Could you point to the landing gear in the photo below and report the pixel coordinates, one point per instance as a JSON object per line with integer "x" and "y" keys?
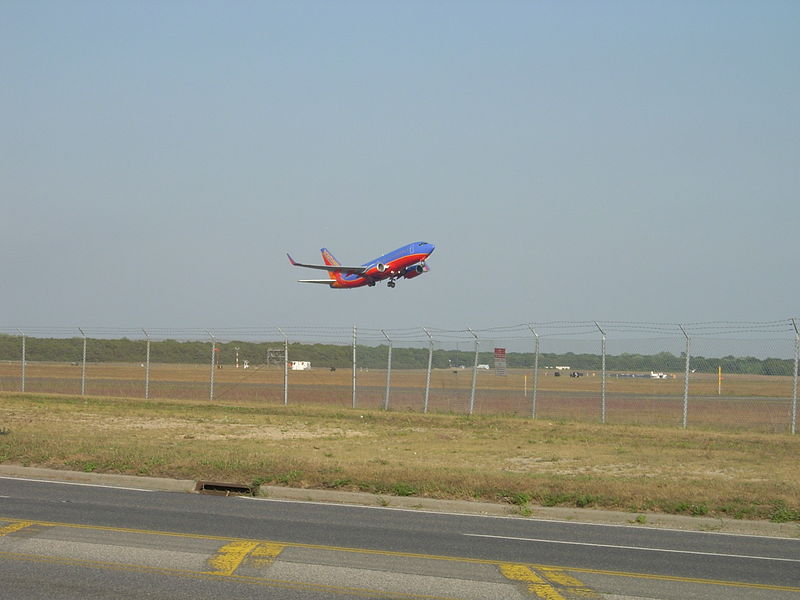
{"x": 371, "y": 284}
{"x": 390, "y": 284}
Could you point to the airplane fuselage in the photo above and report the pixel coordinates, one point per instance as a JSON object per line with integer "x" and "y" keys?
{"x": 405, "y": 262}
{"x": 394, "y": 265}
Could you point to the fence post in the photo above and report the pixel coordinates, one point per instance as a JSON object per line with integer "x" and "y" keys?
{"x": 213, "y": 364}
{"x": 285, "y": 367}
{"x": 428, "y": 373}
{"x": 794, "y": 379}
{"x": 22, "y": 382}
{"x": 603, "y": 373}
{"x": 474, "y": 374}
{"x": 535, "y": 371}
{"x": 355, "y": 339}
{"x": 388, "y": 373}
{"x": 686, "y": 381}
{"x": 147, "y": 368}
{"x": 83, "y": 364}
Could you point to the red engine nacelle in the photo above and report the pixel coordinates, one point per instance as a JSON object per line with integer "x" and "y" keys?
{"x": 378, "y": 269}
{"x": 414, "y": 270}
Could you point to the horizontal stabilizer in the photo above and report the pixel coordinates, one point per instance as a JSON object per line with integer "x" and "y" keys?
{"x": 325, "y": 281}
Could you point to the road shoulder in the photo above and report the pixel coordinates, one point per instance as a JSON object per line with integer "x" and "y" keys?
{"x": 577, "y": 515}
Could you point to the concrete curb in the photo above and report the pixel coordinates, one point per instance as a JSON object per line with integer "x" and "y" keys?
{"x": 577, "y": 515}
{"x": 111, "y": 480}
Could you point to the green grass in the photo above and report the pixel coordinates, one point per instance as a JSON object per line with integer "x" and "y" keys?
{"x": 514, "y": 460}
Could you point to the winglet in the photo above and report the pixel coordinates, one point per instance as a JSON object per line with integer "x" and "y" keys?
{"x": 291, "y": 260}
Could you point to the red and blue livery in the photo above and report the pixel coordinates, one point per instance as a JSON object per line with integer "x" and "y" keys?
{"x": 406, "y": 262}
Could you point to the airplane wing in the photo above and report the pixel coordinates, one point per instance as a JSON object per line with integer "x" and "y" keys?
{"x": 325, "y": 281}
{"x": 340, "y": 268}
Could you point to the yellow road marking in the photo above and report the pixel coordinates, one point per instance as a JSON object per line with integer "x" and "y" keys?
{"x": 536, "y": 584}
{"x": 229, "y": 557}
{"x": 679, "y": 579}
{"x": 265, "y": 554}
{"x": 15, "y": 527}
{"x": 570, "y": 585}
{"x": 733, "y": 584}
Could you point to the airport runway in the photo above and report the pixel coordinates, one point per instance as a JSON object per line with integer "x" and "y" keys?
{"x": 60, "y": 540}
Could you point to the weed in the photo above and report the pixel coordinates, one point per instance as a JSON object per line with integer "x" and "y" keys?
{"x": 337, "y": 483}
{"x": 585, "y": 500}
{"x": 403, "y": 489}
{"x": 698, "y": 510}
{"x": 680, "y": 507}
{"x": 782, "y": 513}
{"x": 289, "y": 477}
{"x": 640, "y": 520}
{"x": 519, "y": 499}
{"x": 556, "y": 498}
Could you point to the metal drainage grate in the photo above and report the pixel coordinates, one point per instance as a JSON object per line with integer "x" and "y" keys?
{"x": 223, "y": 489}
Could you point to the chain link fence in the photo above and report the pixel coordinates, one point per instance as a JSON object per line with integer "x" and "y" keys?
{"x": 719, "y": 375}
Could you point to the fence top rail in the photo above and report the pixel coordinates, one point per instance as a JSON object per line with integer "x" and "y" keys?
{"x": 524, "y": 331}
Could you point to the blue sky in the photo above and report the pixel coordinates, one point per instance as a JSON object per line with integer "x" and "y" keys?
{"x": 634, "y": 161}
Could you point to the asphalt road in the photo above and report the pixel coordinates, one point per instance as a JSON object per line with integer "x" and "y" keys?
{"x": 67, "y": 540}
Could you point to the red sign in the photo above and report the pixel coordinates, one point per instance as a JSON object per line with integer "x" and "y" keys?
{"x": 500, "y": 362}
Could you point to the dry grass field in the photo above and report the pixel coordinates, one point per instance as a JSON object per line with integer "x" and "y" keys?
{"x": 638, "y": 468}
{"x": 746, "y": 402}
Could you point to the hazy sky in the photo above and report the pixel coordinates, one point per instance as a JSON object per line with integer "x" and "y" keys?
{"x": 570, "y": 160}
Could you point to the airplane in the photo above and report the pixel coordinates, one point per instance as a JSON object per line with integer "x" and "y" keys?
{"x": 406, "y": 262}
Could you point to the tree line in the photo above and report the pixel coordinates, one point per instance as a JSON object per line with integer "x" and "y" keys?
{"x": 337, "y": 356}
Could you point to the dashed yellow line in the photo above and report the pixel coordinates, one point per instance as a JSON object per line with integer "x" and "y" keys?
{"x": 5, "y": 529}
